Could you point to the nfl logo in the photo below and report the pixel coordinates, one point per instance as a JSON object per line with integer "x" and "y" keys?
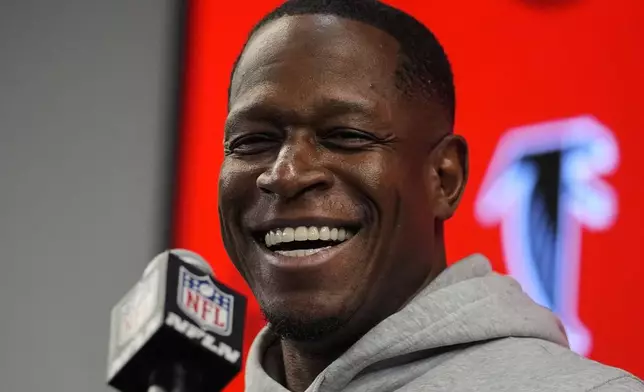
{"x": 202, "y": 301}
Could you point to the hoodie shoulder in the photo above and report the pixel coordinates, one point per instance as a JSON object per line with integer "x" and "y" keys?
{"x": 624, "y": 383}
{"x": 531, "y": 365}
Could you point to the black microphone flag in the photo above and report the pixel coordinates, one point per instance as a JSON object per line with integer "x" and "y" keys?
{"x": 177, "y": 326}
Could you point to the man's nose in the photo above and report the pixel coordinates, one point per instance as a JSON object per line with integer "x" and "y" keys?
{"x": 295, "y": 171}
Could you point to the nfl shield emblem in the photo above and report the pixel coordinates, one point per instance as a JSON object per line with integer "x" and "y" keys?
{"x": 201, "y": 300}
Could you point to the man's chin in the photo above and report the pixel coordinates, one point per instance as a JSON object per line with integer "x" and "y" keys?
{"x": 302, "y": 328}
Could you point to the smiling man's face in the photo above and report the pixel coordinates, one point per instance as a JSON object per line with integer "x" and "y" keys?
{"x": 331, "y": 190}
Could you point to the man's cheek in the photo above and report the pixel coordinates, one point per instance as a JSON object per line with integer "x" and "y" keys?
{"x": 236, "y": 187}
{"x": 372, "y": 180}
{"x": 229, "y": 180}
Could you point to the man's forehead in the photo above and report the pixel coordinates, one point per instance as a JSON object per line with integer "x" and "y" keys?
{"x": 311, "y": 30}
{"x": 316, "y": 49}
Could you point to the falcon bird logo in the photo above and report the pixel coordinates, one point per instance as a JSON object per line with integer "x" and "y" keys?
{"x": 543, "y": 185}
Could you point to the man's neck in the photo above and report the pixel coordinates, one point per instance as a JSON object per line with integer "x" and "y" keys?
{"x": 304, "y": 361}
{"x": 301, "y": 367}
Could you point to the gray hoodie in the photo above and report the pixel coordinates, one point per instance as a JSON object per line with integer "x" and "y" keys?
{"x": 469, "y": 330}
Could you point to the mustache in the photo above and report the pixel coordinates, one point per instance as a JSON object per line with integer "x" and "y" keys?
{"x": 272, "y": 206}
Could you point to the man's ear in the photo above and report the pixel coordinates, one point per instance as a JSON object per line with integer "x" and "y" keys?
{"x": 450, "y": 166}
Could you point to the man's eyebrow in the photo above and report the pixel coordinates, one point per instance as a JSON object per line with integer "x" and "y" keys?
{"x": 330, "y": 107}
{"x": 320, "y": 110}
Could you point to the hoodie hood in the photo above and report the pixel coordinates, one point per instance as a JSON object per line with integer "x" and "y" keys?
{"x": 465, "y": 305}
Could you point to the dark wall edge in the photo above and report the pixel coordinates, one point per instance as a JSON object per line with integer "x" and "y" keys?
{"x": 178, "y": 35}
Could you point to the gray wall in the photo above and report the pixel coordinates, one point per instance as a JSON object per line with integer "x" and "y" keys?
{"x": 84, "y": 94}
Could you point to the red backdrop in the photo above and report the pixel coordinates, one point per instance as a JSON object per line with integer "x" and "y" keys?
{"x": 516, "y": 63}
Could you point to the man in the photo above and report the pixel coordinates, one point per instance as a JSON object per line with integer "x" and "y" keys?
{"x": 341, "y": 167}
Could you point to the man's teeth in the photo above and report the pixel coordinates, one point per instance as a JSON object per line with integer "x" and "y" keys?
{"x": 300, "y": 252}
{"x": 302, "y": 233}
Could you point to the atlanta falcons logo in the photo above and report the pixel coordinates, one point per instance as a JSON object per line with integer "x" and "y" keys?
{"x": 543, "y": 185}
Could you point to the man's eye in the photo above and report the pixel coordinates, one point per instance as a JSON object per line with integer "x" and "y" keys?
{"x": 252, "y": 144}
{"x": 348, "y": 138}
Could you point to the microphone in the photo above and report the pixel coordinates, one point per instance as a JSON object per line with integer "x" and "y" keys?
{"x": 176, "y": 330}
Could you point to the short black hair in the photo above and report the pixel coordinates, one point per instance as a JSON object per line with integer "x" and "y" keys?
{"x": 424, "y": 67}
